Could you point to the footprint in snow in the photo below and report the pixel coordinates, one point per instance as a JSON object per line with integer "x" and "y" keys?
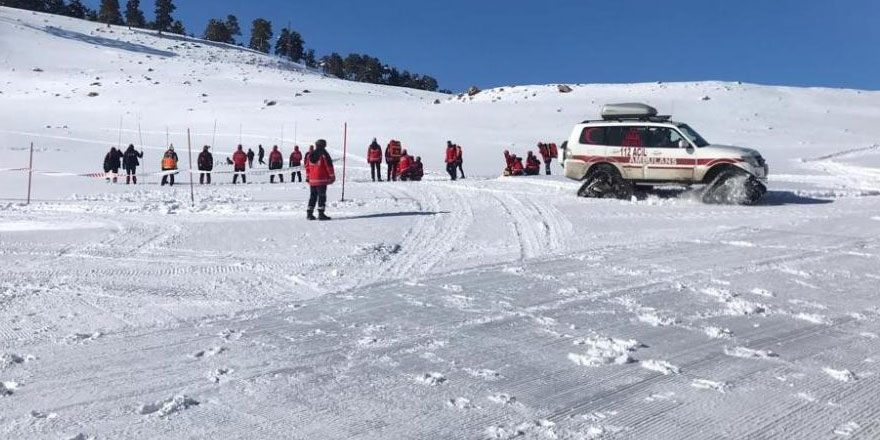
{"x": 167, "y": 407}
{"x": 503, "y": 399}
{"x": 847, "y": 429}
{"x": 662, "y": 367}
{"x": 705, "y": 384}
{"x": 484, "y": 373}
{"x": 841, "y": 375}
{"x": 431, "y": 379}
{"x": 461, "y": 403}
{"x": 208, "y": 353}
{"x": 219, "y": 374}
{"x": 748, "y": 353}
{"x": 8, "y": 388}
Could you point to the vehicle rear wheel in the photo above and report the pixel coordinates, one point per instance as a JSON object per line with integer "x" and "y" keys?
{"x": 733, "y": 187}
{"x": 604, "y": 181}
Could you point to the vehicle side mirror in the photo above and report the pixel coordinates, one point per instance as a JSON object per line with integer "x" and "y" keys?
{"x": 683, "y": 144}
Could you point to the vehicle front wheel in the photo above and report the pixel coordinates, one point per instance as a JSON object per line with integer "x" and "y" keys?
{"x": 604, "y": 181}
{"x": 734, "y": 188}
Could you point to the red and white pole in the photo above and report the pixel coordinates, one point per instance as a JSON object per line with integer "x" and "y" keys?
{"x": 344, "y": 157}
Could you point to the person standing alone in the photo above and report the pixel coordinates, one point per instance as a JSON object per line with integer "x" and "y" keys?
{"x": 321, "y": 174}
{"x": 374, "y": 158}
{"x": 206, "y": 165}
{"x": 169, "y": 166}
{"x": 276, "y": 162}
{"x": 239, "y": 161}
{"x": 296, "y": 164}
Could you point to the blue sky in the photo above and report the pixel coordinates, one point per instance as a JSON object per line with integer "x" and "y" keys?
{"x": 495, "y": 43}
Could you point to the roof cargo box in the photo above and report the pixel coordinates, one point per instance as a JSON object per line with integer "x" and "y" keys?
{"x": 628, "y": 111}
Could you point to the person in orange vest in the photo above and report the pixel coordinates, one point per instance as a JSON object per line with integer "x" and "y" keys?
{"x": 403, "y": 166}
{"x": 533, "y": 165}
{"x": 321, "y": 175}
{"x": 306, "y": 160}
{"x": 459, "y": 160}
{"x": 276, "y": 162}
{"x": 169, "y": 166}
{"x": 295, "y": 164}
{"x": 374, "y": 158}
{"x": 392, "y": 157}
{"x": 451, "y": 155}
{"x": 239, "y": 164}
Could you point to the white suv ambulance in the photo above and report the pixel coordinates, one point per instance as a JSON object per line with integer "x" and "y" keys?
{"x": 633, "y": 146}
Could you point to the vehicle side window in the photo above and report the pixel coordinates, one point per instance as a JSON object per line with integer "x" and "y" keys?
{"x": 593, "y": 136}
{"x": 614, "y": 136}
{"x": 626, "y": 136}
{"x": 662, "y": 137}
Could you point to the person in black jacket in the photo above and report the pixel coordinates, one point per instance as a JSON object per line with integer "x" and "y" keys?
{"x": 130, "y": 162}
{"x": 112, "y": 163}
{"x": 206, "y": 165}
{"x": 261, "y": 153}
{"x": 250, "y": 156}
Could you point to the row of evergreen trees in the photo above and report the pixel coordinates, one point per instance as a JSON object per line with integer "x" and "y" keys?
{"x": 109, "y": 12}
{"x": 289, "y": 44}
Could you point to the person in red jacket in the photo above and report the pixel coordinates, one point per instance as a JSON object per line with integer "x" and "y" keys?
{"x": 392, "y": 157}
{"x": 276, "y": 162}
{"x": 517, "y": 168}
{"x": 508, "y": 162}
{"x": 374, "y": 158}
{"x": 451, "y": 157}
{"x": 546, "y": 154}
{"x": 295, "y": 163}
{"x": 417, "y": 171}
{"x": 306, "y": 160}
{"x": 321, "y": 174}
{"x": 404, "y": 165}
{"x": 239, "y": 164}
{"x": 533, "y": 165}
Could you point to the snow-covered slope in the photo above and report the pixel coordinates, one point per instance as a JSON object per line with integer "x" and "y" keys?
{"x": 484, "y": 308}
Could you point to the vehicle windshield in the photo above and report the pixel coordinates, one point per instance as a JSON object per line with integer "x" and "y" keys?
{"x": 693, "y": 136}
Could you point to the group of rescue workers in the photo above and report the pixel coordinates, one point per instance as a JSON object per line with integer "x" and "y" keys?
{"x": 514, "y": 164}
{"x": 401, "y": 165}
{"x": 318, "y": 166}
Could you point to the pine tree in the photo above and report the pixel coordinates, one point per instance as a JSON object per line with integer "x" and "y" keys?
{"x": 233, "y": 27}
{"x": 296, "y": 46}
{"x": 55, "y": 7}
{"x": 30, "y": 5}
{"x": 109, "y": 12}
{"x": 282, "y": 46}
{"x": 217, "y": 31}
{"x": 177, "y": 28}
{"x": 164, "y": 9}
{"x": 333, "y": 64}
{"x": 309, "y": 59}
{"x": 261, "y": 35}
{"x": 134, "y": 17}
{"x": 76, "y": 9}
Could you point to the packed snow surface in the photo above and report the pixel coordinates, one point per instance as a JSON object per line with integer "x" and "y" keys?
{"x": 489, "y": 307}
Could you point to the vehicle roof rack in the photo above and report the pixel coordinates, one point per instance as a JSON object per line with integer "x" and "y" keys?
{"x": 632, "y": 111}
